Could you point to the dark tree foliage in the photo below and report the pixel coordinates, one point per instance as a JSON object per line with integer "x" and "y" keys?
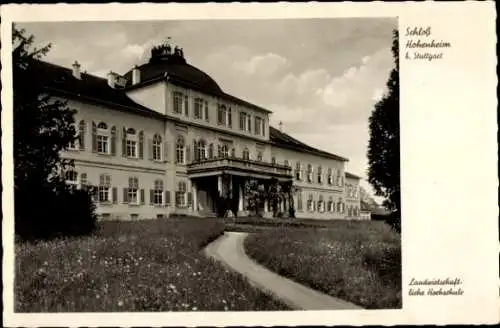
{"x": 43, "y": 127}
{"x": 383, "y": 148}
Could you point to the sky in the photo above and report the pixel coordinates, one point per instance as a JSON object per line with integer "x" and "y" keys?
{"x": 320, "y": 77}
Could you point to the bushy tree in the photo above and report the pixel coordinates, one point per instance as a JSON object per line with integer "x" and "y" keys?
{"x": 43, "y": 127}
{"x": 384, "y": 143}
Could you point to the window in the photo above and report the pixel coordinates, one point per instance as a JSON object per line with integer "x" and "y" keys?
{"x": 211, "y": 151}
{"x": 246, "y": 154}
{"x": 273, "y": 160}
{"x": 320, "y": 174}
{"x": 186, "y": 105}
{"x": 221, "y": 115}
{"x": 243, "y": 121}
{"x": 229, "y": 118}
{"x": 180, "y": 150}
{"x": 158, "y": 193}
{"x": 180, "y": 195}
{"x": 321, "y": 204}
{"x": 81, "y": 135}
{"x": 104, "y": 188}
{"x": 249, "y": 123}
{"x": 177, "y": 102}
{"x": 330, "y": 205}
{"x": 102, "y": 138}
{"x": 309, "y": 172}
{"x": 223, "y": 151}
{"x": 310, "y": 205}
{"x": 72, "y": 143}
{"x": 132, "y": 191}
{"x": 258, "y": 125}
{"x": 287, "y": 164}
{"x": 299, "y": 201}
{"x": 259, "y": 156}
{"x": 198, "y": 108}
{"x": 157, "y": 147}
{"x": 200, "y": 151}
{"x": 298, "y": 171}
{"x": 71, "y": 177}
{"x": 131, "y": 143}
{"x": 83, "y": 179}
{"x": 330, "y": 176}
{"x": 233, "y": 152}
{"x": 206, "y": 111}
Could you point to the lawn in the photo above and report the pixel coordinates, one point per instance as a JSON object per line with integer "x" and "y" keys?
{"x": 152, "y": 265}
{"x": 358, "y": 261}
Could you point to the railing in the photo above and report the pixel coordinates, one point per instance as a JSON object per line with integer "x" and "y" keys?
{"x": 242, "y": 164}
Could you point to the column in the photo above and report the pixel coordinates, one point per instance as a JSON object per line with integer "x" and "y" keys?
{"x": 219, "y": 184}
{"x": 240, "y": 198}
{"x": 194, "y": 190}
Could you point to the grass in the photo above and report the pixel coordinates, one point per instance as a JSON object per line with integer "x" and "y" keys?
{"x": 358, "y": 261}
{"x": 152, "y": 265}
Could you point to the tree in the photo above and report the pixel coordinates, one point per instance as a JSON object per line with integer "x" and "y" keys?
{"x": 43, "y": 127}
{"x": 383, "y": 148}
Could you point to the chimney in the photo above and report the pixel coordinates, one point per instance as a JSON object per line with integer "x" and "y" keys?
{"x": 111, "y": 79}
{"x": 136, "y": 75}
{"x": 76, "y": 70}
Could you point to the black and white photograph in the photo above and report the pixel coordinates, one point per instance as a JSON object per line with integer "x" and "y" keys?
{"x": 207, "y": 165}
{"x": 239, "y": 164}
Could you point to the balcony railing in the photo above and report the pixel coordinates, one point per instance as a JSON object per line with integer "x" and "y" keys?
{"x": 240, "y": 164}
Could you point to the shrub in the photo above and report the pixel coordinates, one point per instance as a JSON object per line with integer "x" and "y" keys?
{"x": 42, "y": 213}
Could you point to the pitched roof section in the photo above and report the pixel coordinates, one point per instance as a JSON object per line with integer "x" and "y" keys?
{"x": 284, "y": 140}
{"x": 91, "y": 88}
{"x": 352, "y": 176}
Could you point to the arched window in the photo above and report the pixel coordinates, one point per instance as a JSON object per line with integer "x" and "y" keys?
{"x": 273, "y": 160}
{"x": 157, "y": 142}
{"x": 180, "y": 150}
{"x": 180, "y": 194}
{"x": 157, "y": 192}
{"x": 246, "y": 154}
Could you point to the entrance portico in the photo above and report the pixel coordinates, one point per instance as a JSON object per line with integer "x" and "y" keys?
{"x": 223, "y": 180}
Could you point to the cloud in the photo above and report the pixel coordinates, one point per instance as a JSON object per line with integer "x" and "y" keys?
{"x": 261, "y": 65}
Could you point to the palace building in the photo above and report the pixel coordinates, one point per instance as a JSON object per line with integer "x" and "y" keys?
{"x": 164, "y": 139}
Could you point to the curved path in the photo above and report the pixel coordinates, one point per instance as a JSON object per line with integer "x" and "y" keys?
{"x": 229, "y": 250}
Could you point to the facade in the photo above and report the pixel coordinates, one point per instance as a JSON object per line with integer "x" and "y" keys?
{"x": 164, "y": 139}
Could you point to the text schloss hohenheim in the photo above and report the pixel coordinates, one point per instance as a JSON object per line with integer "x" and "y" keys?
{"x": 435, "y": 287}
{"x": 420, "y": 44}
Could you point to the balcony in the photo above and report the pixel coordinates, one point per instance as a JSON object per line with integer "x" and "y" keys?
{"x": 238, "y": 166}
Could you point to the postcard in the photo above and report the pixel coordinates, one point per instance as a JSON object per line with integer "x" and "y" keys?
{"x": 249, "y": 164}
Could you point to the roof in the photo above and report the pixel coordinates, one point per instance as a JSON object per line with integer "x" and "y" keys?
{"x": 352, "y": 176}
{"x": 91, "y": 88}
{"x": 176, "y": 70}
{"x": 283, "y": 140}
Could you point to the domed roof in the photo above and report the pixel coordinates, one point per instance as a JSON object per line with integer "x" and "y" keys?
{"x": 174, "y": 64}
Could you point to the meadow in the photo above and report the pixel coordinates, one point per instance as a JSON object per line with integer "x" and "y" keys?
{"x": 358, "y": 261}
{"x": 152, "y": 265}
